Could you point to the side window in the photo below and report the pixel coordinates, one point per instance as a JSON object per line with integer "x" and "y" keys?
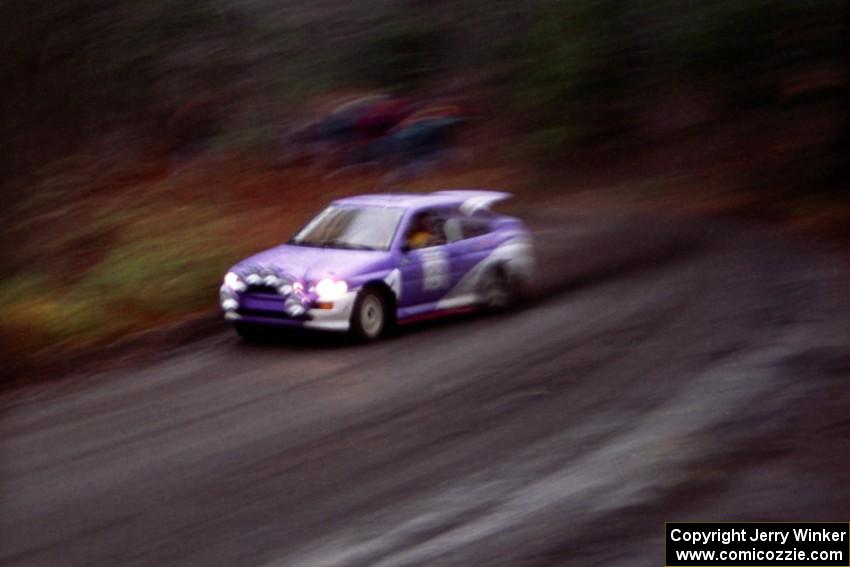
{"x": 474, "y": 226}
{"x": 426, "y": 229}
{"x": 454, "y": 230}
{"x": 461, "y": 227}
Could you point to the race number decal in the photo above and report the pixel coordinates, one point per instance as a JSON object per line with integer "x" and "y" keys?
{"x": 435, "y": 270}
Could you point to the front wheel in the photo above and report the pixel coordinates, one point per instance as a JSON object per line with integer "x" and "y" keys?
{"x": 369, "y": 318}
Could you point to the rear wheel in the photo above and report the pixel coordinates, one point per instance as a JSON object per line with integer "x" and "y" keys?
{"x": 370, "y": 316}
{"x": 497, "y": 290}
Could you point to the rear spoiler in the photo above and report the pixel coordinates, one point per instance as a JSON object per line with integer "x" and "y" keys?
{"x": 476, "y": 200}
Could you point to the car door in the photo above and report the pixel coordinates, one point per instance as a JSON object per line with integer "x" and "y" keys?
{"x": 470, "y": 243}
{"x": 425, "y": 271}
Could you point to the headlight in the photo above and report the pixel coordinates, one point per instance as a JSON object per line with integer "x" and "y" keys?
{"x": 234, "y": 282}
{"x": 330, "y": 290}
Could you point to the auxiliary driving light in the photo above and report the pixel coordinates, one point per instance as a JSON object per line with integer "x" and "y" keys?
{"x": 234, "y": 282}
{"x": 295, "y": 310}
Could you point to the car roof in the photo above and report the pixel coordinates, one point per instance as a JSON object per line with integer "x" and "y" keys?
{"x": 478, "y": 197}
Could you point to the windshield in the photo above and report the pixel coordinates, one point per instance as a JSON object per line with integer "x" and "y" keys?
{"x": 355, "y": 228}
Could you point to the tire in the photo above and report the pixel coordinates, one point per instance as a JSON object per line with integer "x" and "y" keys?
{"x": 370, "y": 317}
{"x": 251, "y": 333}
{"x": 497, "y": 290}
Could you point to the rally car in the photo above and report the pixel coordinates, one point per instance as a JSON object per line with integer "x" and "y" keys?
{"x": 368, "y": 262}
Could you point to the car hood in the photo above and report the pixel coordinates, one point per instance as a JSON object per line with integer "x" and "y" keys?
{"x": 308, "y": 263}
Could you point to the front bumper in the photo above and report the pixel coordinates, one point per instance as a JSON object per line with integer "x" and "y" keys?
{"x": 337, "y": 318}
{"x": 270, "y": 309}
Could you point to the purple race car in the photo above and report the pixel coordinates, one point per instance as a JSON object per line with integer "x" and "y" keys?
{"x": 368, "y": 262}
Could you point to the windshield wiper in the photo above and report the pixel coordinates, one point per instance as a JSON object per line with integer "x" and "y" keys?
{"x": 293, "y": 242}
{"x": 352, "y": 246}
{"x": 334, "y": 243}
